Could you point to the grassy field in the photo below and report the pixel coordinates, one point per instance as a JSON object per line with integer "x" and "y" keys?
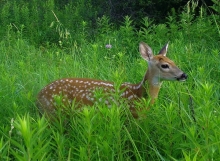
{"x": 182, "y": 125}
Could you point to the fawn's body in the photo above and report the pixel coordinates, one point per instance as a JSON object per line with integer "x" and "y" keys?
{"x": 82, "y": 90}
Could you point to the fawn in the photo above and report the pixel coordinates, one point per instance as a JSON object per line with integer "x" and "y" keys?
{"x": 81, "y": 90}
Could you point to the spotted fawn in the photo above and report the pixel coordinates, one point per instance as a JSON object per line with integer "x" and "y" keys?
{"x": 82, "y": 90}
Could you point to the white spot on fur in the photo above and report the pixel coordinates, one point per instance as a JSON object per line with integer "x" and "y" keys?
{"x": 47, "y": 102}
{"x": 130, "y": 97}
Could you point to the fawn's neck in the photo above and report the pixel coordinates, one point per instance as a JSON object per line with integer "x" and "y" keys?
{"x": 152, "y": 86}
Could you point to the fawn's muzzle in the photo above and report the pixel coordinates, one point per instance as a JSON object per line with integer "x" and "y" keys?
{"x": 182, "y": 77}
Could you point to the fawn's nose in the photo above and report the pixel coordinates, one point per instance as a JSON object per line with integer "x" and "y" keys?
{"x": 182, "y": 77}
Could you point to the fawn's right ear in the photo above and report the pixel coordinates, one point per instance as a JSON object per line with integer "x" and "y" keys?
{"x": 145, "y": 51}
{"x": 163, "y": 51}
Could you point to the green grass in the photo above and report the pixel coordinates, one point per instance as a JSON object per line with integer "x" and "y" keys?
{"x": 182, "y": 125}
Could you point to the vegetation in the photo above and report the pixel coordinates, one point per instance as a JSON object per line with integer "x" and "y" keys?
{"x": 182, "y": 125}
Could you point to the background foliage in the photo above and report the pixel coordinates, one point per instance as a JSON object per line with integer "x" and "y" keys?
{"x": 44, "y": 22}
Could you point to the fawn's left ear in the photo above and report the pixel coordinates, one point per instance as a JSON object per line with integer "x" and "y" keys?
{"x": 163, "y": 51}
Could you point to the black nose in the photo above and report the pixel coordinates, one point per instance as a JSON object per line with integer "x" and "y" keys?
{"x": 183, "y": 76}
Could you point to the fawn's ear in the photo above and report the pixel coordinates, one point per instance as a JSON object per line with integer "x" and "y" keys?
{"x": 145, "y": 51}
{"x": 163, "y": 51}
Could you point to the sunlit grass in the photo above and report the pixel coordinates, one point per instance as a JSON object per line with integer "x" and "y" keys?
{"x": 182, "y": 125}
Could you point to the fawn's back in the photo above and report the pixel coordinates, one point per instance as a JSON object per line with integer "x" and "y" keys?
{"x": 82, "y": 91}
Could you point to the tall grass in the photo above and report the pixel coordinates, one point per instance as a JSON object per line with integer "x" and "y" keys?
{"x": 182, "y": 125}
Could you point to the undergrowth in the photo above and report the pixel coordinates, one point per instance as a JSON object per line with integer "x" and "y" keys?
{"x": 182, "y": 125}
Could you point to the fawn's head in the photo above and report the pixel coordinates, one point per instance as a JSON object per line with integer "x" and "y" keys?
{"x": 160, "y": 67}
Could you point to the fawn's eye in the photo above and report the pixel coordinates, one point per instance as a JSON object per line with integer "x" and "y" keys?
{"x": 165, "y": 66}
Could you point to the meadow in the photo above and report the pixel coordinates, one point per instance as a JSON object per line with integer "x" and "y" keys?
{"x": 182, "y": 125}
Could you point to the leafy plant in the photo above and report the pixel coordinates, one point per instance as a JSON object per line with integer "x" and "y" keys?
{"x": 184, "y": 122}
